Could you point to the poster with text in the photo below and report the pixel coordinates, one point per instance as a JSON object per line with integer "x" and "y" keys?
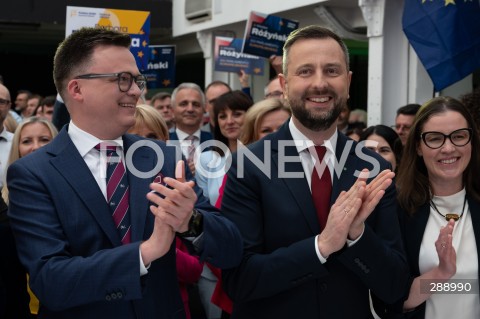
{"x": 265, "y": 34}
{"x": 160, "y": 71}
{"x": 135, "y": 23}
{"x": 229, "y": 57}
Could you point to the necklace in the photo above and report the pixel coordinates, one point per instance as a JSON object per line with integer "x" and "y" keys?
{"x": 453, "y": 216}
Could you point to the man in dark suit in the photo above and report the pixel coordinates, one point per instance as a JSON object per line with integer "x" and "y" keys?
{"x": 296, "y": 264}
{"x": 188, "y": 103}
{"x": 82, "y": 263}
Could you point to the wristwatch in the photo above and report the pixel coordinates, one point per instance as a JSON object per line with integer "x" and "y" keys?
{"x": 195, "y": 225}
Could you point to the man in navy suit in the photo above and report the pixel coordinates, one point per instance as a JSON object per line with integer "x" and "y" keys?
{"x": 67, "y": 239}
{"x": 188, "y": 103}
{"x": 291, "y": 268}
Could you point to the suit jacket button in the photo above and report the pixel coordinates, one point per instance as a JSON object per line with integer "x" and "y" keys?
{"x": 108, "y": 298}
{"x": 114, "y": 295}
{"x": 119, "y": 295}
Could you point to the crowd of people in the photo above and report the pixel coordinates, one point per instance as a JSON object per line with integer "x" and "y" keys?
{"x": 206, "y": 204}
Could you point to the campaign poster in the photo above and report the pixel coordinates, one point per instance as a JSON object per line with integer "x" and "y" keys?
{"x": 135, "y": 23}
{"x": 265, "y": 34}
{"x": 160, "y": 71}
{"x": 229, "y": 57}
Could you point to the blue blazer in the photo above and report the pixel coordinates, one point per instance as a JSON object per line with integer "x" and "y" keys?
{"x": 281, "y": 275}
{"x": 68, "y": 242}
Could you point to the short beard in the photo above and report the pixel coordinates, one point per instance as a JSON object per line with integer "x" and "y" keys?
{"x": 320, "y": 122}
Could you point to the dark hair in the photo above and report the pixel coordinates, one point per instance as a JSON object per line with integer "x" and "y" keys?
{"x": 75, "y": 52}
{"x": 472, "y": 103}
{"x": 389, "y": 135}
{"x": 218, "y": 83}
{"x": 48, "y": 100}
{"x": 312, "y": 32}
{"x": 160, "y": 96}
{"x": 414, "y": 187}
{"x": 235, "y": 100}
{"x": 409, "y": 109}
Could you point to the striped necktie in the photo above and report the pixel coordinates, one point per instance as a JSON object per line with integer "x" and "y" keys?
{"x": 191, "y": 148}
{"x": 117, "y": 191}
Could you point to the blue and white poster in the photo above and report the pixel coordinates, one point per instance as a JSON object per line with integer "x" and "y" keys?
{"x": 229, "y": 57}
{"x": 160, "y": 71}
{"x": 266, "y": 34}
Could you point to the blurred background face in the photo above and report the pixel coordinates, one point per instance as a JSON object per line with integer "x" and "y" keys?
{"x": 47, "y": 112}
{"x": 403, "y": 123}
{"x": 21, "y": 101}
{"x": 188, "y": 110}
{"x": 379, "y": 145}
{"x": 271, "y": 122}
{"x": 32, "y": 137}
{"x": 210, "y": 95}
{"x": 4, "y": 104}
{"x": 274, "y": 89}
{"x": 164, "y": 107}
{"x": 31, "y": 106}
{"x": 230, "y": 123}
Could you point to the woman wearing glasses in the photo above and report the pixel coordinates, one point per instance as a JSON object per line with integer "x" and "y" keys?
{"x": 439, "y": 197}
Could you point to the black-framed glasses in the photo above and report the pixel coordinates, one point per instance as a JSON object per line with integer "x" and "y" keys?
{"x": 4, "y": 102}
{"x": 436, "y": 140}
{"x": 124, "y": 79}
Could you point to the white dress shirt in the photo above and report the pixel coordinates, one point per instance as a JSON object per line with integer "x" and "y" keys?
{"x": 186, "y": 143}
{"x": 303, "y": 144}
{"x": 85, "y": 143}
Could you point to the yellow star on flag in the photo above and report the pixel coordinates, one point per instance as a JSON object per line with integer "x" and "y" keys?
{"x": 144, "y": 43}
{"x": 166, "y": 82}
{"x": 447, "y": 2}
{"x": 140, "y": 54}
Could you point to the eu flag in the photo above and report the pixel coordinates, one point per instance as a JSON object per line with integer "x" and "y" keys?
{"x": 445, "y": 34}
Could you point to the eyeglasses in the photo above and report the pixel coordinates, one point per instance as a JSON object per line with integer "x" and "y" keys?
{"x": 124, "y": 79}
{"x": 4, "y": 102}
{"x": 400, "y": 127}
{"x": 436, "y": 140}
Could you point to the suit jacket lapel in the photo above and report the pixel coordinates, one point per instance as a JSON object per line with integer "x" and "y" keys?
{"x": 73, "y": 168}
{"x": 297, "y": 186}
{"x": 345, "y": 166}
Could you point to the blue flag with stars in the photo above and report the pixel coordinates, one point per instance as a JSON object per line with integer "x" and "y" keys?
{"x": 445, "y": 34}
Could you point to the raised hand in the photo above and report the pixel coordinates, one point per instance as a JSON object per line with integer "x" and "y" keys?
{"x": 340, "y": 219}
{"x": 178, "y": 202}
{"x": 374, "y": 192}
{"x": 447, "y": 255}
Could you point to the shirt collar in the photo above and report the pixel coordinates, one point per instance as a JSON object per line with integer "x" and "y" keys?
{"x": 182, "y": 135}
{"x": 6, "y": 135}
{"x": 330, "y": 143}
{"x": 84, "y": 141}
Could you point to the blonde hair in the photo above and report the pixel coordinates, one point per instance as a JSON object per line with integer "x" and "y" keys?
{"x": 255, "y": 115}
{"x": 147, "y": 116}
{"x": 10, "y": 123}
{"x": 15, "y": 149}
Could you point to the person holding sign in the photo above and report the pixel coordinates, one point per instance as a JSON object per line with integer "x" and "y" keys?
{"x": 95, "y": 234}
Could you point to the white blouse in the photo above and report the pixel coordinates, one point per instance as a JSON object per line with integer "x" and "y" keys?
{"x": 452, "y": 305}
